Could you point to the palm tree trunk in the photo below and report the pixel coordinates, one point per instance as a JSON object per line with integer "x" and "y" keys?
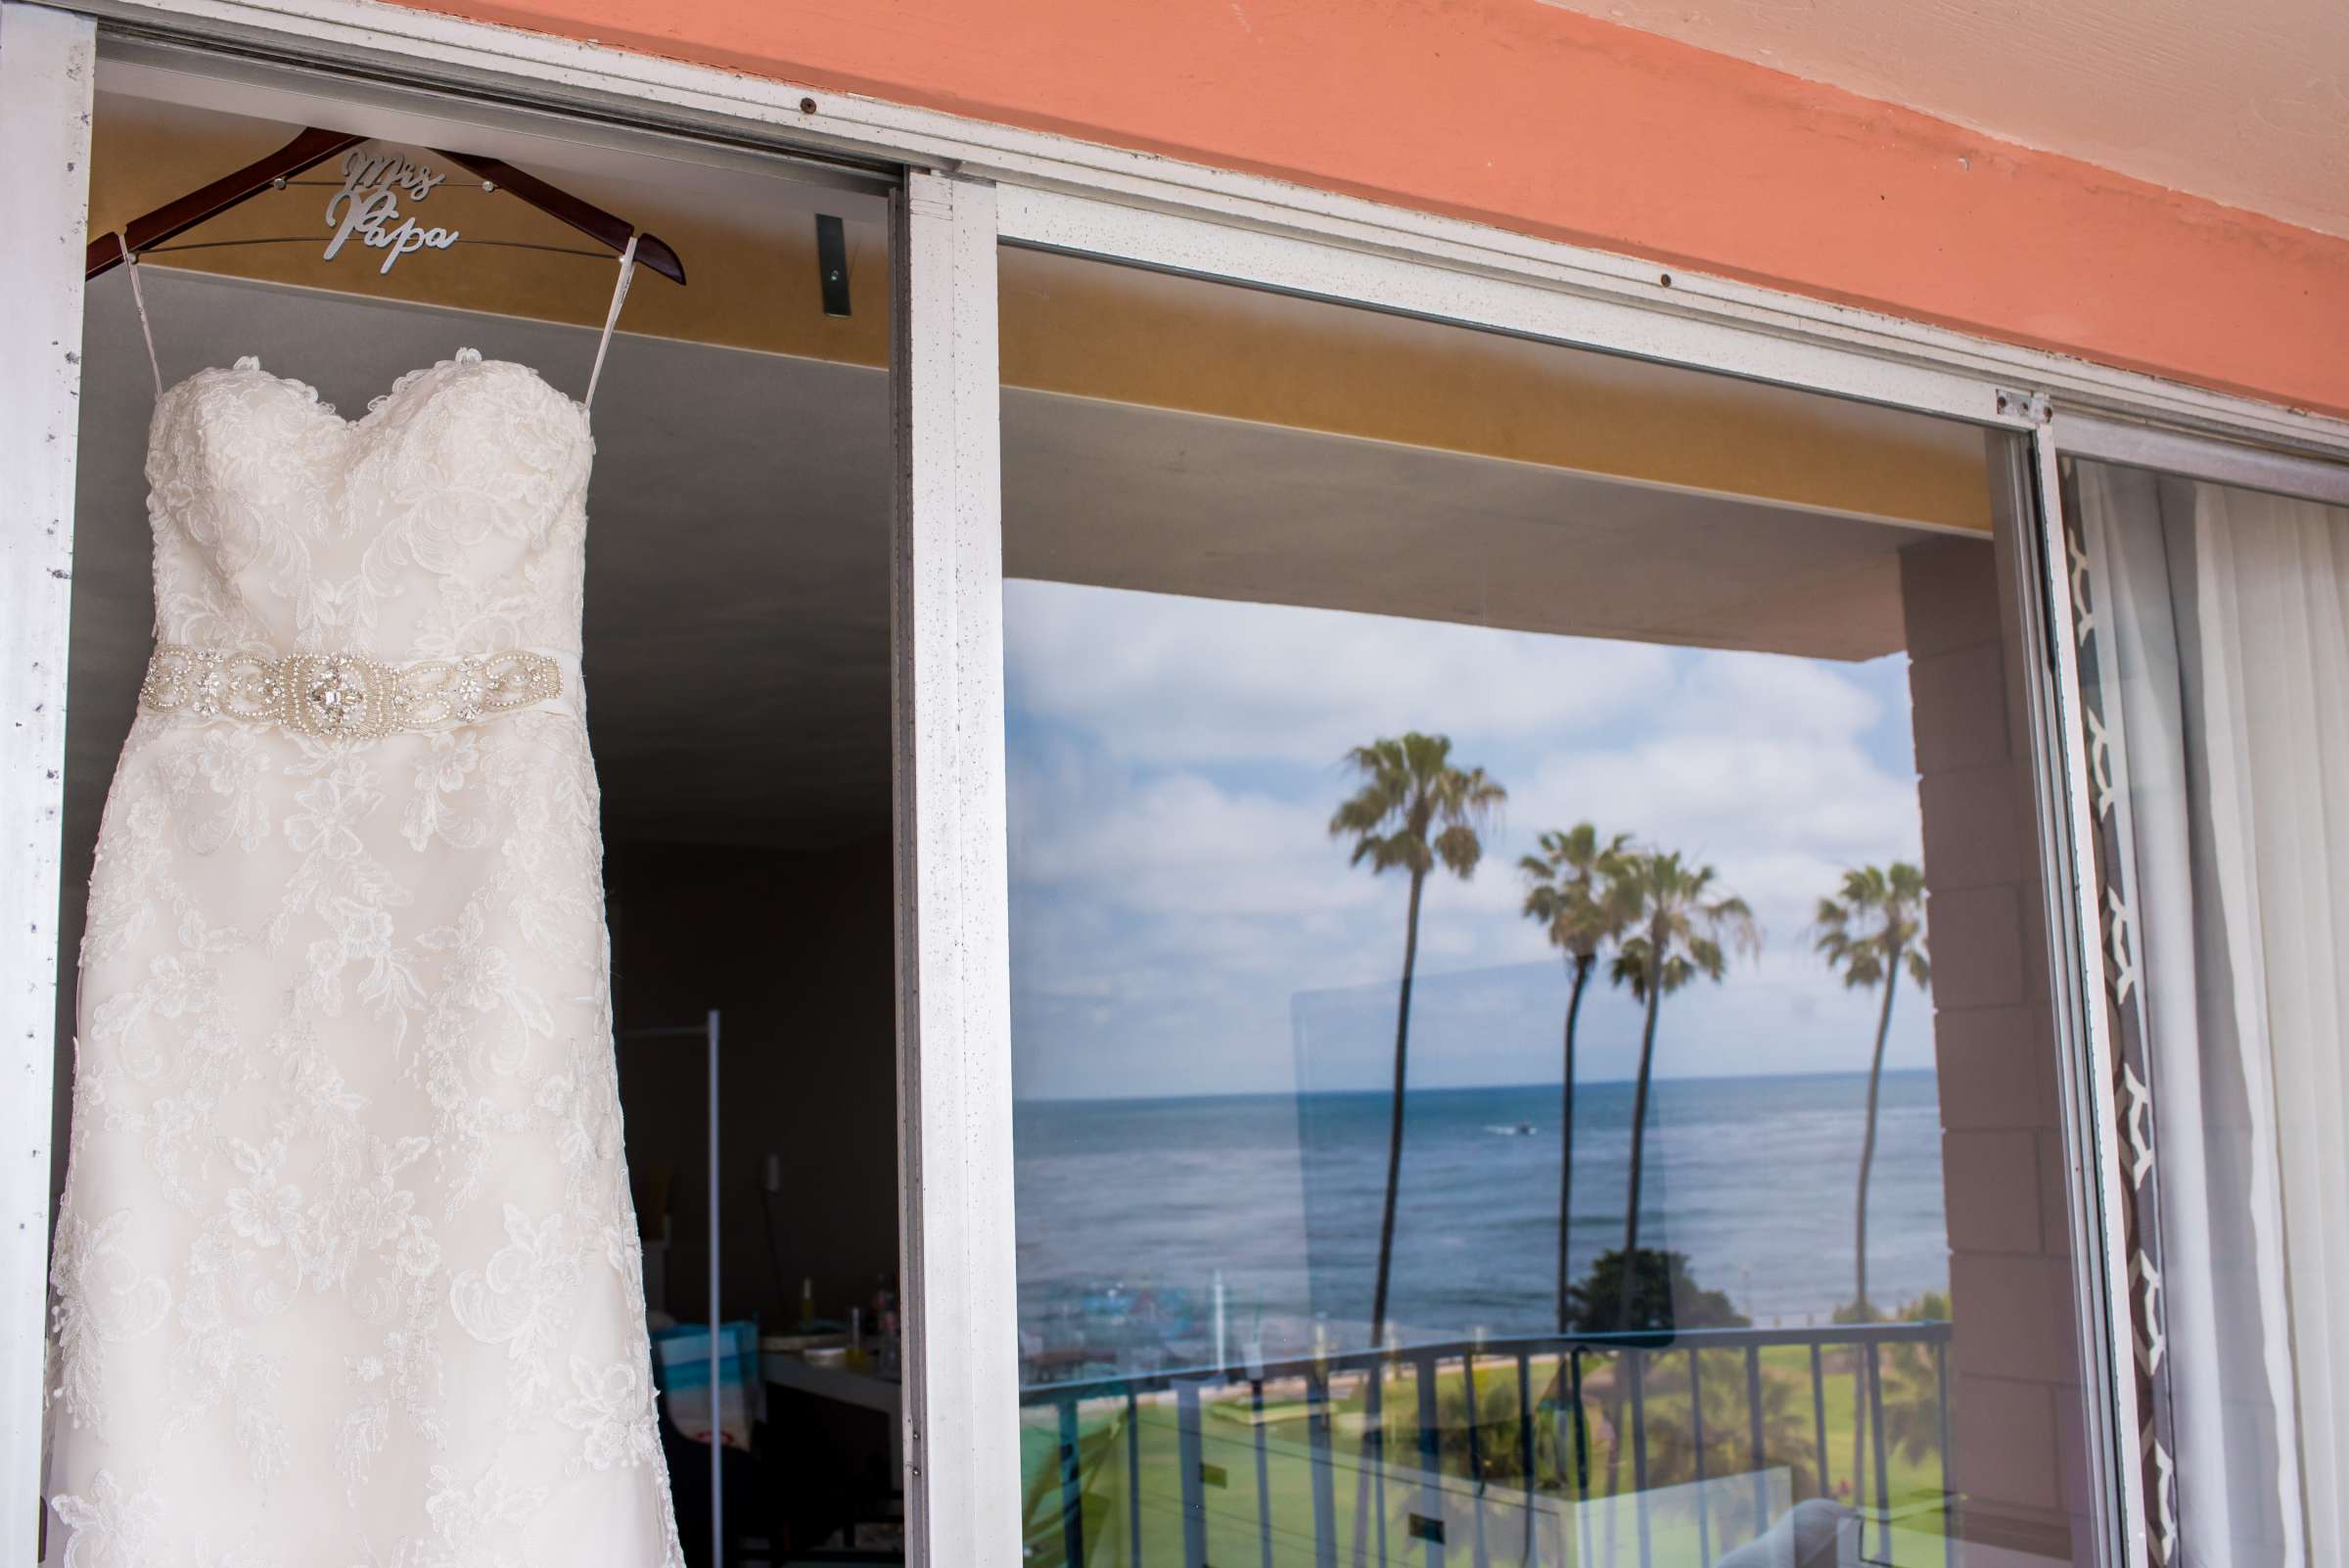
{"x": 1862, "y": 1311}
{"x": 1630, "y": 1245}
{"x": 1573, "y": 1008}
{"x": 1867, "y": 1145}
{"x": 1631, "y": 1214}
{"x": 1375, "y": 1433}
{"x": 1403, "y": 1032}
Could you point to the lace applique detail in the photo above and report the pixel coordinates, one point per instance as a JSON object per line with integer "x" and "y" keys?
{"x": 611, "y": 1408}
{"x": 523, "y": 1301}
{"x": 102, "y": 1298}
{"x": 112, "y": 1529}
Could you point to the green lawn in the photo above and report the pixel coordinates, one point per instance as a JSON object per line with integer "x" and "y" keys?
{"x": 1558, "y": 1514}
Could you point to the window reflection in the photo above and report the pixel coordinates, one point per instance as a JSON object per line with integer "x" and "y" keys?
{"x": 1527, "y": 1008}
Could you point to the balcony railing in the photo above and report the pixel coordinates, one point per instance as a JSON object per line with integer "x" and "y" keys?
{"x": 1476, "y": 1493}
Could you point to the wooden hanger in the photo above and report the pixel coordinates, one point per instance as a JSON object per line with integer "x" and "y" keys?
{"x": 314, "y": 147}
{"x": 591, "y": 220}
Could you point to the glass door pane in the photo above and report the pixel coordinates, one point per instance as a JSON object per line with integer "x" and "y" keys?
{"x": 2214, "y": 668}
{"x": 1530, "y": 1015}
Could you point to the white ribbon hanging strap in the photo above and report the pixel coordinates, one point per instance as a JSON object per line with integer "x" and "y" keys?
{"x": 130, "y": 261}
{"x": 619, "y": 297}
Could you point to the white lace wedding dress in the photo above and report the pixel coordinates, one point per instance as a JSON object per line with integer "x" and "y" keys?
{"x": 346, "y": 1273}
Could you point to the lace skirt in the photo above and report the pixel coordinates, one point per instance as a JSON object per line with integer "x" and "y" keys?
{"x": 346, "y": 1273}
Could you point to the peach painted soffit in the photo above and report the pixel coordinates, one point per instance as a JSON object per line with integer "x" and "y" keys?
{"x": 1547, "y": 122}
{"x": 2245, "y": 102}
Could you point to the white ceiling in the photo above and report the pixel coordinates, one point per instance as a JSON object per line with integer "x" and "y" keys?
{"x": 737, "y": 614}
{"x": 2245, "y": 102}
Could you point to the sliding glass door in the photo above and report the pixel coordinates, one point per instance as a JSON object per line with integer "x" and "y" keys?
{"x": 478, "y": 990}
{"x": 2212, "y": 593}
{"x": 1533, "y": 1030}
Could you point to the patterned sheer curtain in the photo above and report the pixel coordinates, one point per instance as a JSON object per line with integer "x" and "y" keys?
{"x": 2215, "y": 668}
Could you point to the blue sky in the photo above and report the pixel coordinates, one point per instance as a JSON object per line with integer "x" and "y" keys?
{"x": 1183, "y": 924}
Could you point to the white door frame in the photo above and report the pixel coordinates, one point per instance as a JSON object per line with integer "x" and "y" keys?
{"x": 46, "y": 68}
{"x": 2137, "y": 445}
{"x": 1047, "y": 191}
{"x": 962, "y": 1368}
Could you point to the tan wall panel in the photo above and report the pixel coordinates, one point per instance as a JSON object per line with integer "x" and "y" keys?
{"x": 1070, "y": 325}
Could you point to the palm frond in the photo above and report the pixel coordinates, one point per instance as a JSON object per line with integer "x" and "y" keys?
{"x": 1578, "y": 891}
{"x": 1413, "y": 809}
{"x": 1876, "y": 921}
{"x": 1678, "y": 924}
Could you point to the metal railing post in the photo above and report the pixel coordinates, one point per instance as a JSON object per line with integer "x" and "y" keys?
{"x": 1582, "y": 1458}
{"x": 1756, "y": 1443}
{"x": 1376, "y": 1443}
{"x": 1875, "y": 1421}
{"x": 1818, "y": 1418}
{"x": 1326, "y": 1483}
{"x": 1948, "y": 1474}
{"x": 1072, "y": 1488}
{"x": 1638, "y": 1360}
{"x": 1191, "y": 1446}
{"x": 1133, "y": 1476}
{"x": 1476, "y": 1459}
{"x": 1431, "y": 1462}
{"x": 1696, "y": 1444}
{"x": 1264, "y": 1475}
{"x": 1525, "y": 1455}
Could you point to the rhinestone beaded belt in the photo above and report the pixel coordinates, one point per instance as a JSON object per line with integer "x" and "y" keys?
{"x": 343, "y": 696}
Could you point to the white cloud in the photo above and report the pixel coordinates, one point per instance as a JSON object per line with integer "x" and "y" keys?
{"x": 1769, "y": 695}
{"x": 1779, "y": 819}
{"x": 1174, "y": 843}
{"x": 1176, "y": 886}
{"x": 1756, "y": 765}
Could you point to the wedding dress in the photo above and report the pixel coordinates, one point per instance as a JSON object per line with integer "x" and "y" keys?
{"x": 346, "y": 1273}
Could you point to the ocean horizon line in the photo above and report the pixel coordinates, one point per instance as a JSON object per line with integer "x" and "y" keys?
{"x": 1381, "y": 1091}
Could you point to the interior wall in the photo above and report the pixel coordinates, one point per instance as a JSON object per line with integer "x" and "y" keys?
{"x": 796, "y": 950}
{"x": 1541, "y": 120}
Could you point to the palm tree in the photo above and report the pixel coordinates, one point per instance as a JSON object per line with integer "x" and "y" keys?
{"x": 1873, "y": 930}
{"x": 1576, "y": 891}
{"x": 1679, "y": 922}
{"x": 1414, "y": 812}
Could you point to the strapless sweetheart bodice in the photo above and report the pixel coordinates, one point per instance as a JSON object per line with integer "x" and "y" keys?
{"x": 450, "y": 520}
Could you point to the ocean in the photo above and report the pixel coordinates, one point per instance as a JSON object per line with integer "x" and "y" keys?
{"x": 1137, "y": 1217}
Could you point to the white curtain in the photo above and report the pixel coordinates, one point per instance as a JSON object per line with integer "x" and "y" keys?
{"x": 2223, "y": 626}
